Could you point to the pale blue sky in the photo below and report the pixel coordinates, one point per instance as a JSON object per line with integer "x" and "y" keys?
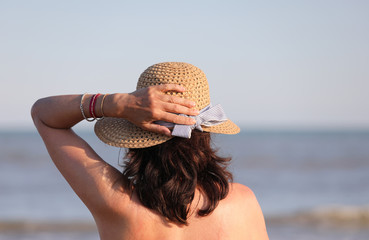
{"x": 271, "y": 64}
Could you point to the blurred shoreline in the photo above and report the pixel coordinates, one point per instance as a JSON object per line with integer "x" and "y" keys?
{"x": 51, "y": 226}
{"x": 302, "y": 226}
{"x": 330, "y": 217}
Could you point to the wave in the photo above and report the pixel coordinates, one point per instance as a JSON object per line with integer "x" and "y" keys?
{"x": 328, "y": 216}
{"x": 37, "y": 226}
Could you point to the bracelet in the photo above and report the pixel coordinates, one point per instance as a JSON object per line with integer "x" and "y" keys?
{"x": 102, "y": 105}
{"x": 93, "y": 101}
{"x": 91, "y": 107}
{"x": 81, "y": 107}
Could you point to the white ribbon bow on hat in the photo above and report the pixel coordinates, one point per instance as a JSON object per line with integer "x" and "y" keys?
{"x": 208, "y": 116}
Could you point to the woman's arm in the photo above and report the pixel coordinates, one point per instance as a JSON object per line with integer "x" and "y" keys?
{"x": 93, "y": 180}
{"x": 141, "y": 107}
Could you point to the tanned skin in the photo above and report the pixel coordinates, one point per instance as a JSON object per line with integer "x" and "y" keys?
{"x": 99, "y": 185}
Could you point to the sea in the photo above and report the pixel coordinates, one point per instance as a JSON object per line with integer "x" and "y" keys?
{"x": 310, "y": 184}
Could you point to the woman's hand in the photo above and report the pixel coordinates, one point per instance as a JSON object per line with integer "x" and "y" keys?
{"x": 145, "y": 106}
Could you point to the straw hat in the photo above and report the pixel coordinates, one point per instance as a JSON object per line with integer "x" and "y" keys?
{"x": 119, "y": 132}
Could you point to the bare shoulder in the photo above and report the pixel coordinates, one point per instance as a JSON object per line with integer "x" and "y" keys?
{"x": 243, "y": 197}
{"x": 242, "y": 202}
{"x": 240, "y": 190}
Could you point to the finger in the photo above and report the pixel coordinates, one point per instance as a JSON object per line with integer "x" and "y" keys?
{"x": 178, "y": 100}
{"x": 158, "y": 129}
{"x": 176, "y": 108}
{"x": 170, "y": 87}
{"x": 170, "y": 117}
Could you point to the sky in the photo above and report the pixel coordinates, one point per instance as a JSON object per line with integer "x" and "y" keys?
{"x": 271, "y": 64}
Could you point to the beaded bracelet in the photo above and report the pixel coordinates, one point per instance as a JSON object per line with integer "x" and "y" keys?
{"x": 81, "y": 107}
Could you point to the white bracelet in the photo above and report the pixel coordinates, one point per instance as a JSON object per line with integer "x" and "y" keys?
{"x": 83, "y": 113}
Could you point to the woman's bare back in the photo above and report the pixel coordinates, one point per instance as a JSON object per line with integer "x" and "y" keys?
{"x": 238, "y": 216}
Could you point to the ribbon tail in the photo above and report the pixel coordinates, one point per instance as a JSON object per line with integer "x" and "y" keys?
{"x": 183, "y": 131}
{"x": 213, "y": 116}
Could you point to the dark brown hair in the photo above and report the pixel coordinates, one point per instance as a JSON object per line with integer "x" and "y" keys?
{"x": 166, "y": 176}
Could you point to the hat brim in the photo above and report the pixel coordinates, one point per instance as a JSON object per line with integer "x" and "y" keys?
{"x": 119, "y": 132}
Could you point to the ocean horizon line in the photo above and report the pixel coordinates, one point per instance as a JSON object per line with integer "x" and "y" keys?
{"x": 244, "y": 130}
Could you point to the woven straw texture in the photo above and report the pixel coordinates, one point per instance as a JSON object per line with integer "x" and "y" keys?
{"x": 121, "y": 133}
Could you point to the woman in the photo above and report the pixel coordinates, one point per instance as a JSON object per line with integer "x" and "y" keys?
{"x": 174, "y": 185}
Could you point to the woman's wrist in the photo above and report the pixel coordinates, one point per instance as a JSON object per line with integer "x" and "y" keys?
{"x": 95, "y": 106}
{"x": 111, "y": 105}
{"x": 86, "y": 106}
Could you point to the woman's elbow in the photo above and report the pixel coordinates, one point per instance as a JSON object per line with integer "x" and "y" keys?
{"x": 36, "y": 111}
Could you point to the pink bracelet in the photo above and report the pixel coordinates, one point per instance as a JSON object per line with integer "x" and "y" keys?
{"x": 93, "y": 104}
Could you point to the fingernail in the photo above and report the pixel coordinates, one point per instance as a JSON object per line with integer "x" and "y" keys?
{"x": 193, "y": 104}
{"x": 168, "y": 133}
{"x": 195, "y": 111}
